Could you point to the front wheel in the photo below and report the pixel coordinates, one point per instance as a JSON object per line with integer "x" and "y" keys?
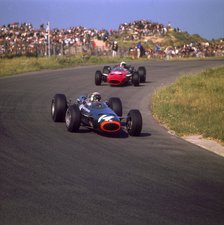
{"x": 142, "y": 74}
{"x": 135, "y": 79}
{"x": 134, "y": 122}
{"x": 116, "y": 105}
{"x": 58, "y": 108}
{"x": 73, "y": 118}
{"x": 98, "y": 78}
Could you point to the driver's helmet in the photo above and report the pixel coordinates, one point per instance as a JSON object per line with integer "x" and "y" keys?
{"x": 123, "y": 64}
{"x": 95, "y": 97}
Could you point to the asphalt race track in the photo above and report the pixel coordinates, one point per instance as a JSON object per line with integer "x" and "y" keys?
{"x": 49, "y": 176}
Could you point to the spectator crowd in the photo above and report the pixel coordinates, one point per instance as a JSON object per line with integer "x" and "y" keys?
{"x": 138, "y": 29}
{"x": 23, "y": 39}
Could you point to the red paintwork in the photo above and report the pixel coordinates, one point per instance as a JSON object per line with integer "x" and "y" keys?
{"x": 117, "y": 77}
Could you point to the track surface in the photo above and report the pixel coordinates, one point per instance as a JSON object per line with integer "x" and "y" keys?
{"x": 49, "y": 176}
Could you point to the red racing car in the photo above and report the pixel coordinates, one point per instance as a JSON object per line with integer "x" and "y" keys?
{"x": 120, "y": 75}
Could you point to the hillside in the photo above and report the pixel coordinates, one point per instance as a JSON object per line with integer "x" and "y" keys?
{"x": 171, "y": 38}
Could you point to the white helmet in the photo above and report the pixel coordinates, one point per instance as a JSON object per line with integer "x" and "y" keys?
{"x": 95, "y": 97}
{"x": 123, "y": 64}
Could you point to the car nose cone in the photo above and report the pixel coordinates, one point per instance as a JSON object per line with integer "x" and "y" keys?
{"x": 110, "y": 126}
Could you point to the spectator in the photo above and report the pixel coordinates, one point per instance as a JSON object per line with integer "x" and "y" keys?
{"x": 114, "y": 48}
{"x": 139, "y": 46}
{"x": 157, "y": 48}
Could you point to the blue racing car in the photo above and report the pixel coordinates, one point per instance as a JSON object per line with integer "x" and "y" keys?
{"x": 93, "y": 113}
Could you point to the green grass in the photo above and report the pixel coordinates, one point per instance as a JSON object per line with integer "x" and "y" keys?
{"x": 193, "y": 105}
{"x": 19, "y": 65}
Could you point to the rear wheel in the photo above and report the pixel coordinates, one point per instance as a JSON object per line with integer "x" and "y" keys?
{"x": 116, "y": 105}
{"x": 106, "y": 69}
{"x": 98, "y": 78}
{"x": 58, "y": 108}
{"x": 134, "y": 122}
{"x": 135, "y": 79}
{"x": 73, "y": 118}
{"x": 142, "y": 74}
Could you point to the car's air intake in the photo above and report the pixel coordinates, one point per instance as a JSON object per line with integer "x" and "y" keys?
{"x": 110, "y": 126}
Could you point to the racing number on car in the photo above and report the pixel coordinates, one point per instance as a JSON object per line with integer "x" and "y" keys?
{"x": 105, "y": 118}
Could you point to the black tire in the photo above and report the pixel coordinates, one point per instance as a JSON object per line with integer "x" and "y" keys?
{"x": 106, "y": 69}
{"x": 58, "y": 108}
{"x": 98, "y": 78}
{"x": 116, "y": 105}
{"x": 134, "y": 122}
{"x": 135, "y": 79}
{"x": 73, "y": 118}
{"x": 142, "y": 74}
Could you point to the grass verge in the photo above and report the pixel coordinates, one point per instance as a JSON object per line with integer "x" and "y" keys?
{"x": 24, "y": 64}
{"x": 193, "y": 105}
{"x": 28, "y": 64}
